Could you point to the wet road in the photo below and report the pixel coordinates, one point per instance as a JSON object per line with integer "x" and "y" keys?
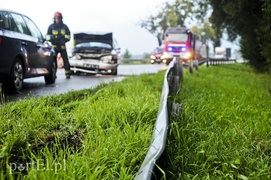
{"x": 36, "y": 87}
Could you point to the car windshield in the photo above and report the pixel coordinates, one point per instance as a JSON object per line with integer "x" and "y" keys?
{"x": 93, "y": 44}
{"x": 177, "y": 37}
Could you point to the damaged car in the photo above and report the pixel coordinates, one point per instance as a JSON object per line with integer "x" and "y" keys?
{"x": 95, "y": 53}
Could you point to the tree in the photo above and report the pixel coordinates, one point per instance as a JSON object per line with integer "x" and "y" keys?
{"x": 249, "y": 20}
{"x": 169, "y": 15}
{"x": 146, "y": 55}
{"x": 127, "y": 54}
{"x": 206, "y": 32}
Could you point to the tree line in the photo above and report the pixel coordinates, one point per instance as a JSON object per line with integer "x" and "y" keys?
{"x": 248, "y": 21}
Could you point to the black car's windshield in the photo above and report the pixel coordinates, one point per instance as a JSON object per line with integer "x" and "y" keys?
{"x": 93, "y": 45}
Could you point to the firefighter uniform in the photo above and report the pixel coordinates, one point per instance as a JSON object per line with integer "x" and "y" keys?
{"x": 58, "y": 34}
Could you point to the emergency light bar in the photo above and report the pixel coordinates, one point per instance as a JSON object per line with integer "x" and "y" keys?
{"x": 176, "y": 48}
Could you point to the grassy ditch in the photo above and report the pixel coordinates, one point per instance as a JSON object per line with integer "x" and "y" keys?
{"x": 224, "y": 131}
{"x": 101, "y": 133}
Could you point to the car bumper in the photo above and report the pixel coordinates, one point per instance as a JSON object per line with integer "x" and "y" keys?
{"x": 156, "y": 60}
{"x": 92, "y": 66}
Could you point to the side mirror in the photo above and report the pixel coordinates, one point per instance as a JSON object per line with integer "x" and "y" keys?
{"x": 118, "y": 49}
{"x": 47, "y": 44}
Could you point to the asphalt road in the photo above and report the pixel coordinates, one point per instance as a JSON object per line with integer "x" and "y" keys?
{"x": 35, "y": 87}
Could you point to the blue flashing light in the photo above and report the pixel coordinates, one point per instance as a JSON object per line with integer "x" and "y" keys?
{"x": 170, "y": 49}
{"x": 183, "y": 49}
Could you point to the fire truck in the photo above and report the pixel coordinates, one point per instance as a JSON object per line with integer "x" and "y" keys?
{"x": 183, "y": 43}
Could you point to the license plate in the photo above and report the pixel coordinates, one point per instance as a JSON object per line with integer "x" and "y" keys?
{"x": 90, "y": 65}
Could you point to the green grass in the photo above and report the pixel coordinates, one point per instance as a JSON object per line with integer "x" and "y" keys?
{"x": 224, "y": 130}
{"x": 101, "y": 133}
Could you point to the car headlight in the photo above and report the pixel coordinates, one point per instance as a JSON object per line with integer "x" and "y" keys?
{"x": 113, "y": 58}
{"x": 107, "y": 59}
{"x": 186, "y": 55}
{"x": 47, "y": 53}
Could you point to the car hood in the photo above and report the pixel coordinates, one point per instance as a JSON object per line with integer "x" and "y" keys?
{"x": 93, "y": 37}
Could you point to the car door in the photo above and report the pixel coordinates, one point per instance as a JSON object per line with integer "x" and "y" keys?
{"x": 42, "y": 52}
{"x": 28, "y": 44}
{"x": 31, "y": 42}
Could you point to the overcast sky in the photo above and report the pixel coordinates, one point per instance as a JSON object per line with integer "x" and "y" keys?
{"x": 118, "y": 16}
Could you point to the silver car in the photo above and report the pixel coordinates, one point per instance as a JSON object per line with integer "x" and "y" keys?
{"x": 95, "y": 53}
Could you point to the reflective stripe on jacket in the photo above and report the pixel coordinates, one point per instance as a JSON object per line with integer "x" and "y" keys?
{"x": 58, "y": 34}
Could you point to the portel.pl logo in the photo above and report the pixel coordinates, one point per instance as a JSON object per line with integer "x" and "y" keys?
{"x": 38, "y": 165}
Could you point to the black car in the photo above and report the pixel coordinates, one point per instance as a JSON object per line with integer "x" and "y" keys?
{"x": 24, "y": 53}
{"x": 95, "y": 53}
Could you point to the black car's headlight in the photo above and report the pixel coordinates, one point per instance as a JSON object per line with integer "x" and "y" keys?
{"x": 47, "y": 53}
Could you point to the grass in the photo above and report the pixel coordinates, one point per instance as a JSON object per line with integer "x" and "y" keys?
{"x": 224, "y": 130}
{"x": 101, "y": 133}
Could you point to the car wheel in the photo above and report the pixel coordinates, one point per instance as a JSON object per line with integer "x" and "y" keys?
{"x": 15, "y": 81}
{"x": 51, "y": 77}
{"x": 115, "y": 72}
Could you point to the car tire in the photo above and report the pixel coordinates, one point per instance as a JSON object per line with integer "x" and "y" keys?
{"x": 16, "y": 78}
{"x": 115, "y": 72}
{"x": 51, "y": 77}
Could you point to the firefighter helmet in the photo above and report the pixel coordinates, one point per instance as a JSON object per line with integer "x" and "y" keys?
{"x": 58, "y": 14}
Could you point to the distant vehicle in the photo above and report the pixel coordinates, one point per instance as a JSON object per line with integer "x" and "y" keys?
{"x": 95, "y": 53}
{"x": 157, "y": 55}
{"x": 220, "y": 53}
{"x": 24, "y": 53}
{"x": 183, "y": 43}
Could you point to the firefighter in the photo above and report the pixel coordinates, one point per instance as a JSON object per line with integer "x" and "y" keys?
{"x": 58, "y": 34}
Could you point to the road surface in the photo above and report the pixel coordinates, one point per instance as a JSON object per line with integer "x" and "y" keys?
{"x": 35, "y": 87}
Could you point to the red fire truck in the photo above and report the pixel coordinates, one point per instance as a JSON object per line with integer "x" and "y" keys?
{"x": 183, "y": 43}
